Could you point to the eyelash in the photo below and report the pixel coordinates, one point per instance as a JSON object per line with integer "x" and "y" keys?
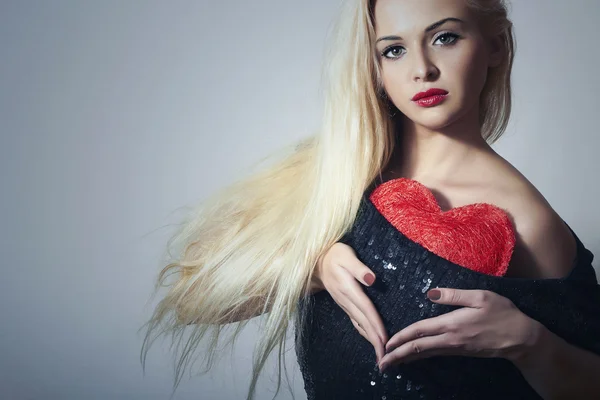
{"x": 445, "y": 34}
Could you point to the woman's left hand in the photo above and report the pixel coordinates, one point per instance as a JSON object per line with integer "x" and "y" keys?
{"x": 489, "y": 325}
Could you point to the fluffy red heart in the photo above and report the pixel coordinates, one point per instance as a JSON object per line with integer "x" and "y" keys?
{"x": 477, "y": 236}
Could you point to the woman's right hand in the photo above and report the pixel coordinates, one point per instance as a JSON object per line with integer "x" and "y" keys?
{"x": 338, "y": 271}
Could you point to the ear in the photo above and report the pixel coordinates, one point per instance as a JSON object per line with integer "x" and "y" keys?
{"x": 496, "y": 48}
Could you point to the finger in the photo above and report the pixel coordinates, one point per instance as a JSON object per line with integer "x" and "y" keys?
{"x": 354, "y": 313}
{"x": 425, "y": 327}
{"x": 371, "y": 338}
{"x": 363, "y": 304}
{"x": 359, "y": 270}
{"x": 365, "y": 335}
{"x": 360, "y": 330}
{"x": 424, "y": 347}
{"x": 360, "y": 320}
{"x": 474, "y": 298}
{"x": 344, "y": 294}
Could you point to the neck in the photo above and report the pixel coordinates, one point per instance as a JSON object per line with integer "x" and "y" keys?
{"x": 437, "y": 155}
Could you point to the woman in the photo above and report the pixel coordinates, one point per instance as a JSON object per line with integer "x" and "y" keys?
{"x": 254, "y": 247}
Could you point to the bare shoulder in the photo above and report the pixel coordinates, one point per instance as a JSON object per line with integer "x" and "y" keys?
{"x": 545, "y": 246}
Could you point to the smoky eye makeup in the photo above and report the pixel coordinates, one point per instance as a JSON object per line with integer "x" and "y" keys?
{"x": 449, "y": 39}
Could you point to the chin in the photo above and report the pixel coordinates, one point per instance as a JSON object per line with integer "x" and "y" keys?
{"x": 434, "y": 121}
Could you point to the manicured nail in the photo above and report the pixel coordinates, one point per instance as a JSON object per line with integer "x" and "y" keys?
{"x": 434, "y": 294}
{"x": 369, "y": 278}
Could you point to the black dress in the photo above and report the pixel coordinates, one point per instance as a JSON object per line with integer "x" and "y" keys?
{"x": 336, "y": 362}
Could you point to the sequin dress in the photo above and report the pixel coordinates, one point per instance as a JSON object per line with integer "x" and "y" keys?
{"x": 336, "y": 362}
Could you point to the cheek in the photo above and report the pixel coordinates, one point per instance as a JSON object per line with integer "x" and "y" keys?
{"x": 395, "y": 85}
{"x": 471, "y": 72}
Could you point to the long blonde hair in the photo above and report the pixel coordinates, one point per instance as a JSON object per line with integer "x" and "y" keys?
{"x": 251, "y": 248}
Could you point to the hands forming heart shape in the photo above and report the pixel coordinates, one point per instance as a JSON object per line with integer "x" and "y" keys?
{"x": 477, "y": 236}
{"x": 488, "y": 325}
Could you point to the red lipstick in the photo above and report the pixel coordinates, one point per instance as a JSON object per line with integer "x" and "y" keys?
{"x": 430, "y": 97}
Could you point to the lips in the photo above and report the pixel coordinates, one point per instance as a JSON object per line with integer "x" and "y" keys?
{"x": 430, "y": 92}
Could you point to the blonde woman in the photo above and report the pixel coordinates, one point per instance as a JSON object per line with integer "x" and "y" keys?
{"x": 416, "y": 92}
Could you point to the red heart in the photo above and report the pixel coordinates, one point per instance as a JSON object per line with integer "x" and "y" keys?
{"x": 477, "y": 236}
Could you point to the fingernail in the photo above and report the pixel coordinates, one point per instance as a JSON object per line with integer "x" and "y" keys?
{"x": 434, "y": 294}
{"x": 369, "y": 278}
{"x": 382, "y": 367}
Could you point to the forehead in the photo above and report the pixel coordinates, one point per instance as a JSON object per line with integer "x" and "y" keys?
{"x": 397, "y": 16}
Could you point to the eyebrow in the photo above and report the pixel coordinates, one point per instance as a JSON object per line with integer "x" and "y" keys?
{"x": 429, "y": 28}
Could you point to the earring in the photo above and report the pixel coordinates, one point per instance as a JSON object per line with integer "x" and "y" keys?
{"x": 392, "y": 115}
{"x": 391, "y": 108}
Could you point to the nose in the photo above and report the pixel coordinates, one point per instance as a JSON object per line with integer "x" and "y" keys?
{"x": 424, "y": 68}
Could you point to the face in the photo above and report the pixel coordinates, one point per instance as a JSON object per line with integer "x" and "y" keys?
{"x": 416, "y": 55}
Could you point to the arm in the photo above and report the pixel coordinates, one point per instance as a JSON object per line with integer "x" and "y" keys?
{"x": 316, "y": 285}
{"x": 555, "y": 368}
{"x": 558, "y": 370}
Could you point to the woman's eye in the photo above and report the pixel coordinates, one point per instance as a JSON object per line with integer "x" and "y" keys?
{"x": 391, "y": 49}
{"x": 448, "y": 35}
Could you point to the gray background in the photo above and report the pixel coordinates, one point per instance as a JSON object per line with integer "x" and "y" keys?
{"x": 115, "y": 113}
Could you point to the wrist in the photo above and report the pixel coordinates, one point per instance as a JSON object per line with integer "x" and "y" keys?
{"x": 316, "y": 284}
{"x": 538, "y": 348}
